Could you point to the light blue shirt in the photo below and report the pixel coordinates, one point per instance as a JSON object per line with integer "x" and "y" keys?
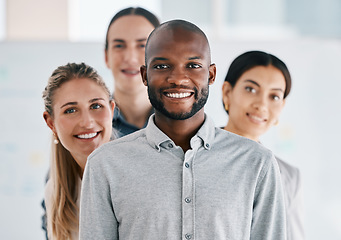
{"x": 143, "y": 186}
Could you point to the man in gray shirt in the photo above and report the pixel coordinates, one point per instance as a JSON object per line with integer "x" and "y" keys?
{"x": 181, "y": 177}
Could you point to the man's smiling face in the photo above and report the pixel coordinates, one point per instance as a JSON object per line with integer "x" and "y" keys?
{"x": 178, "y": 72}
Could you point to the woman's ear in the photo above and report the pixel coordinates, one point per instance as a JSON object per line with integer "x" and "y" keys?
{"x": 112, "y": 105}
{"x": 226, "y": 91}
{"x": 49, "y": 121}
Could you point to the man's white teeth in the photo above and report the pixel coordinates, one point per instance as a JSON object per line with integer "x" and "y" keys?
{"x": 86, "y": 136}
{"x": 178, "y": 95}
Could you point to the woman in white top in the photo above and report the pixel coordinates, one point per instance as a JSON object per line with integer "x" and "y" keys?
{"x": 79, "y": 111}
{"x": 254, "y": 93}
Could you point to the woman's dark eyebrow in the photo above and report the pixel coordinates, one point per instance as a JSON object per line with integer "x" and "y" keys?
{"x": 251, "y": 81}
{"x": 141, "y": 40}
{"x": 118, "y": 40}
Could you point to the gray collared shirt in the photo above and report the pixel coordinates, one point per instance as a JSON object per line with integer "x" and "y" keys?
{"x": 143, "y": 186}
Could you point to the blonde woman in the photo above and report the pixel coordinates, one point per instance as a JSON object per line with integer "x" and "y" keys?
{"x": 79, "y": 111}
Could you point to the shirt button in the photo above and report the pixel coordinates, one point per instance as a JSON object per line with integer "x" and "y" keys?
{"x": 187, "y": 200}
{"x": 207, "y": 145}
{"x": 188, "y": 236}
{"x": 170, "y": 145}
{"x": 186, "y": 165}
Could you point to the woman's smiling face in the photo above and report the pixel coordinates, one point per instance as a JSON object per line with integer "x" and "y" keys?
{"x": 82, "y": 115}
{"x": 255, "y": 102}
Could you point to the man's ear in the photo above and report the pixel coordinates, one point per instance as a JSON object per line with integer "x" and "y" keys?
{"x": 212, "y": 73}
{"x": 49, "y": 121}
{"x": 226, "y": 91}
{"x": 143, "y": 70}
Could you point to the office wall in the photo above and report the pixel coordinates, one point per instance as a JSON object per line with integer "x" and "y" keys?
{"x": 307, "y": 136}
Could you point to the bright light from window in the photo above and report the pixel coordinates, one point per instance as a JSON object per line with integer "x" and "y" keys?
{"x": 2, "y": 20}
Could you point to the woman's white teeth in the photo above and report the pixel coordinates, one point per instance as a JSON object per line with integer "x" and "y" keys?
{"x": 256, "y": 118}
{"x": 178, "y": 95}
{"x": 85, "y": 136}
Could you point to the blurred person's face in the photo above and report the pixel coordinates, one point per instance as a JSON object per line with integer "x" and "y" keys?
{"x": 127, "y": 38}
{"x": 82, "y": 117}
{"x": 178, "y": 73}
{"x": 255, "y": 102}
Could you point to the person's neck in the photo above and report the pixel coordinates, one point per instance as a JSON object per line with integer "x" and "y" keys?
{"x": 180, "y": 131}
{"x": 134, "y": 107}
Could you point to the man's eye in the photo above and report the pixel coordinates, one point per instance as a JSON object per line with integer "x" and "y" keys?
{"x": 69, "y": 110}
{"x": 96, "y": 106}
{"x": 160, "y": 66}
{"x": 194, "y": 65}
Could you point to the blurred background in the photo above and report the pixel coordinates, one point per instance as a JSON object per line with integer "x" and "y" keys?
{"x": 36, "y": 36}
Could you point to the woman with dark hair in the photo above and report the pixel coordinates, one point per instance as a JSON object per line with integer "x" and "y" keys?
{"x": 125, "y": 44}
{"x": 254, "y": 93}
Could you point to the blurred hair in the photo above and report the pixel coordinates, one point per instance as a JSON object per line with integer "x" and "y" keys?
{"x": 134, "y": 11}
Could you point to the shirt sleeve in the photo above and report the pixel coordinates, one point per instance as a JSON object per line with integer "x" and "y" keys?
{"x": 269, "y": 219}
{"x": 97, "y": 218}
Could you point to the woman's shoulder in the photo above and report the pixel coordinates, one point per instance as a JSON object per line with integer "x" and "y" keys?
{"x": 287, "y": 169}
{"x": 291, "y": 177}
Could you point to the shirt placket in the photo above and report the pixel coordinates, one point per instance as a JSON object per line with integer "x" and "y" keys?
{"x": 188, "y": 194}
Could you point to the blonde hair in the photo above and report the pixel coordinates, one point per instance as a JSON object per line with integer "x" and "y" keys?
{"x": 64, "y": 171}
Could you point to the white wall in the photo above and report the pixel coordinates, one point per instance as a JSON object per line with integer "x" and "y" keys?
{"x": 307, "y": 136}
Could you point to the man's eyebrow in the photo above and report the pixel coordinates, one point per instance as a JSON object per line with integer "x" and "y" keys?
{"x": 159, "y": 59}
{"x": 194, "y": 58}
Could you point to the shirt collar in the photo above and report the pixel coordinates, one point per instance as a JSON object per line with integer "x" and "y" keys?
{"x": 156, "y": 137}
